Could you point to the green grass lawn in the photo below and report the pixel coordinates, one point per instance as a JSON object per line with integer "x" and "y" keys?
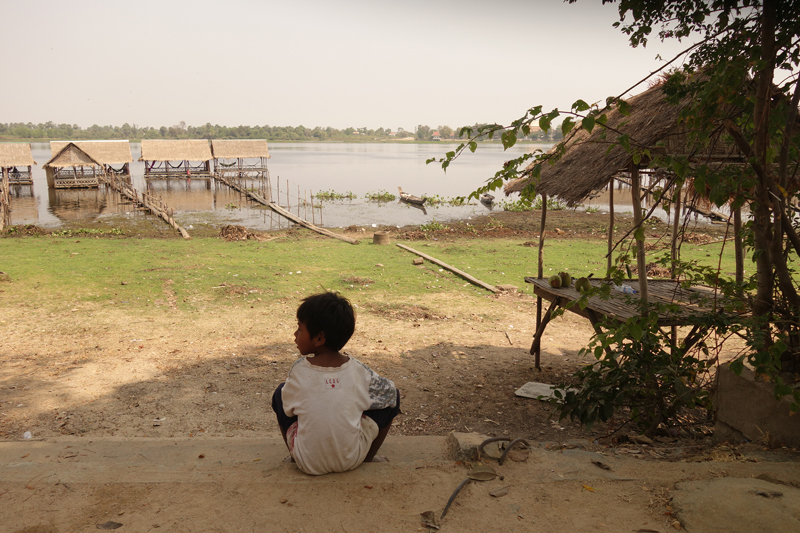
{"x": 203, "y": 271}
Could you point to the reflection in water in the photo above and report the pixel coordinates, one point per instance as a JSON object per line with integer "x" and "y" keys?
{"x": 71, "y": 205}
{"x": 23, "y": 203}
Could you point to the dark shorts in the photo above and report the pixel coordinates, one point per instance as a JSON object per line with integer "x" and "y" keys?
{"x": 382, "y": 417}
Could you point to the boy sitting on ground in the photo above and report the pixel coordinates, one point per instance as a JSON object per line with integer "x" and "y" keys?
{"x": 334, "y": 411}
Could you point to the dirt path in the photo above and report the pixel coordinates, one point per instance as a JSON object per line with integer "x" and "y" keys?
{"x": 105, "y": 385}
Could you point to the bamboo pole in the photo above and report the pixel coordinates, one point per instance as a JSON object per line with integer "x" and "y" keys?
{"x": 637, "y": 220}
{"x": 609, "y": 260}
{"x": 675, "y": 249}
{"x": 737, "y": 246}
{"x": 452, "y": 269}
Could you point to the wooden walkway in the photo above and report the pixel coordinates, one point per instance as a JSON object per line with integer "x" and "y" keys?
{"x": 146, "y": 200}
{"x": 230, "y": 182}
{"x": 687, "y": 306}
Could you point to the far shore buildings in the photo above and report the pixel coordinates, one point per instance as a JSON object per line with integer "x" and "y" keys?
{"x": 16, "y": 161}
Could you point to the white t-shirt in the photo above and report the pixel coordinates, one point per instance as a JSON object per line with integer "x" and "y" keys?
{"x": 332, "y": 435}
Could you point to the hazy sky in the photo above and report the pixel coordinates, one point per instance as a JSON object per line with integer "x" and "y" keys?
{"x": 339, "y": 63}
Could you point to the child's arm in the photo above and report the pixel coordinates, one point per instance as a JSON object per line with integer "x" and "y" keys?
{"x": 382, "y": 392}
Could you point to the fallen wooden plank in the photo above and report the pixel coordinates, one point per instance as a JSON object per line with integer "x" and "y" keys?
{"x": 284, "y": 213}
{"x": 454, "y": 270}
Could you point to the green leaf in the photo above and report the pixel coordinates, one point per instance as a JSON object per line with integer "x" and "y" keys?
{"x": 588, "y": 124}
{"x": 567, "y": 125}
{"x": 450, "y": 155}
{"x": 473, "y": 146}
{"x": 580, "y": 105}
{"x": 636, "y": 331}
{"x": 509, "y": 139}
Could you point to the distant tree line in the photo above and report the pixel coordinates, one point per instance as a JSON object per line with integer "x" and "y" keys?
{"x": 51, "y": 130}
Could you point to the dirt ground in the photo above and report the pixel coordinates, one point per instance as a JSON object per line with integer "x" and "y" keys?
{"x": 98, "y": 374}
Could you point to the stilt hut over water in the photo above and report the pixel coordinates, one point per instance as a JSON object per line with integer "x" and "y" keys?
{"x": 114, "y": 156}
{"x": 72, "y": 168}
{"x": 176, "y": 159}
{"x": 16, "y": 161}
{"x": 240, "y": 158}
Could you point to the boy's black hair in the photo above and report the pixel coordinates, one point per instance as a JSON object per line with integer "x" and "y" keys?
{"x": 330, "y": 314}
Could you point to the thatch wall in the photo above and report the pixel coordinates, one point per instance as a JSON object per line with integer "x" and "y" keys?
{"x": 16, "y": 155}
{"x": 239, "y": 149}
{"x": 71, "y": 156}
{"x": 588, "y": 165}
{"x": 187, "y": 150}
{"x": 104, "y": 152}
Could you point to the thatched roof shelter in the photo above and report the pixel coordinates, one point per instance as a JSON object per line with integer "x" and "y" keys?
{"x": 16, "y": 155}
{"x": 167, "y": 150}
{"x": 71, "y": 156}
{"x": 104, "y": 152}
{"x": 588, "y": 164}
{"x": 239, "y": 149}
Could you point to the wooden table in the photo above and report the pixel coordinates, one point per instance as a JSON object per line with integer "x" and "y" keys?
{"x": 687, "y": 306}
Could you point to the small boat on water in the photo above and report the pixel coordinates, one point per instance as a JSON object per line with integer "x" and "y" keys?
{"x": 410, "y": 198}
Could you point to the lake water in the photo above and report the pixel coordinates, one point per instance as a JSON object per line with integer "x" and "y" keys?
{"x": 360, "y": 168}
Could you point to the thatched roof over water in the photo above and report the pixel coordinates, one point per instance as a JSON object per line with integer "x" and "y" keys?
{"x": 106, "y": 152}
{"x": 186, "y": 150}
{"x": 71, "y": 156}
{"x": 235, "y": 149}
{"x": 16, "y": 155}
{"x": 588, "y": 165}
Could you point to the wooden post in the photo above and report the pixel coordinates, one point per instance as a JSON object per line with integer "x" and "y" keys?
{"x": 641, "y": 264}
{"x": 278, "y": 192}
{"x": 288, "y": 201}
{"x": 676, "y": 222}
{"x": 540, "y": 275}
{"x": 737, "y": 245}
{"x": 313, "y": 218}
{"x": 675, "y": 227}
{"x": 610, "y": 226}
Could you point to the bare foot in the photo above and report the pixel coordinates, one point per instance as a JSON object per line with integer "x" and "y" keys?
{"x": 289, "y": 459}
{"x": 378, "y": 459}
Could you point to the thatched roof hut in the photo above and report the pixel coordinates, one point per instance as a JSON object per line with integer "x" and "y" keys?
{"x": 104, "y": 152}
{"x": 71, "y": 167}
{"x": 167, "y": 150}
{"x": 239, "y": 149}
{"x": 16, "y": 155}
{"x": 588, "y": 164}
{"x": 71, "y": 155}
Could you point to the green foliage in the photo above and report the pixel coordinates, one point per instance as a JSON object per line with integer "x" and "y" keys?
{"x": 87, "y": 231}
{"x": 638, "y": 373}
{"x": 433, "y": 226}
{"x": 333, "y": 195}
{"x": 380, "y": 196}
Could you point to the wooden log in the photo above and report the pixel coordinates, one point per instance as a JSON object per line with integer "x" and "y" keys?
{"x": 454, "y": 270}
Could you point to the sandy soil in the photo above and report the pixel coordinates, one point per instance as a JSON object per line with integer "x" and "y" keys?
{"x": 93, "y": 373}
